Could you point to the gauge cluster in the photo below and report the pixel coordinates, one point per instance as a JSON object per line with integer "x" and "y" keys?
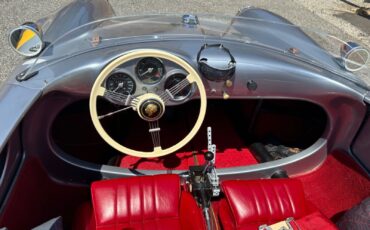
{"x": 148, "y": 74}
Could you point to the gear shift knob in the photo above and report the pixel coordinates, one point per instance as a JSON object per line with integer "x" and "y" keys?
{"x": 208, "y": 156}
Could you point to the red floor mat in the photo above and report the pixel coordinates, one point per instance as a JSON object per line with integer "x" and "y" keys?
{"x": 337, "y": 185}
{"x": 182, "y": 161}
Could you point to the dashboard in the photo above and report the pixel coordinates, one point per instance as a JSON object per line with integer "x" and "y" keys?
{"x": 259, "y": 74}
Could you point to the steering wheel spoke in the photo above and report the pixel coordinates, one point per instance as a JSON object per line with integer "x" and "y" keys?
{"x": 114, "y": 112}
{"x": 190, "y": 77}
{"x": 174, "y": 90}
{"x": 154, "y": 131}
{"x": 119, "y": 98}
{"x": 101, "y": 91}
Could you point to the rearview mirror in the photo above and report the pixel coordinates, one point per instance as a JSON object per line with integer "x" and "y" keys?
{"x": 354, "y": 57}
{"x": 27, "y": 39}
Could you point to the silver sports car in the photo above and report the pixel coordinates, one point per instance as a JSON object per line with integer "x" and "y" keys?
{"x": 183, "y": 122}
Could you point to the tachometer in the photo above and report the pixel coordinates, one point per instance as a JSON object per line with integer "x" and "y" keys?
{"x": 150, "y": 70}
{"x": 173, "y": 80}
{"x": 120, "y": 83}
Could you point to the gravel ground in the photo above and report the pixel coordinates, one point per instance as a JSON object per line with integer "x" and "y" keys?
{"x": 320, "y": 14}
{"x": 330, "y": 11}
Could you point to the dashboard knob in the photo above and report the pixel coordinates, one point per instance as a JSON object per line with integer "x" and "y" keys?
{"x": 251, "y": 85}
{"x": 208, "y": 156}
{"x": 225, "y": 95}
{"x": 228, "y": 83}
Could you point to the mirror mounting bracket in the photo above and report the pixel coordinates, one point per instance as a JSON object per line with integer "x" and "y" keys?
{"x": 23, "y": 76}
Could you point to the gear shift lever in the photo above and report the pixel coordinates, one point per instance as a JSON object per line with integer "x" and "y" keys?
{"x": 208, "y": 156}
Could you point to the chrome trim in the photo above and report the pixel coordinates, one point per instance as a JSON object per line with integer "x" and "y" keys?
{"x": 34, "y": 28}
{"x": 178, "y": 98}
{"x": 301, "y": 163}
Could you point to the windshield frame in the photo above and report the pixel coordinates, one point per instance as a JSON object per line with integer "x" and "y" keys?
{"x": 214, "y": 34}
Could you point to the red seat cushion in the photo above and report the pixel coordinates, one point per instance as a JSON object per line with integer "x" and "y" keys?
{"x": 249, "y": 204}
{"x": 144, "y": 202}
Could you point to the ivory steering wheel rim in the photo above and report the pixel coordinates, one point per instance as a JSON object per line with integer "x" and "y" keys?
{"x": 98, "y": 90}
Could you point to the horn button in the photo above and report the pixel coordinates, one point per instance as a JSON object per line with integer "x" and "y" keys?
{"x": 151, "y": 108}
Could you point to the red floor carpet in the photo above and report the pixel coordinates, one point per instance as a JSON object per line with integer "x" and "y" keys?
{"x": 337, "y": 185}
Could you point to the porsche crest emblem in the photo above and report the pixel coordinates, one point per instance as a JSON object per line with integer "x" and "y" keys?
{"x": 151, "y": 110}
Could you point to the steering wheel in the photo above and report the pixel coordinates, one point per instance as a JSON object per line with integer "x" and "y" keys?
{"x": 149, "y": 106}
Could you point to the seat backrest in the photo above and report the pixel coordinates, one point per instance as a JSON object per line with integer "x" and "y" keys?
{"x": 264, "y": 201}
{"x": 135, "y": 199}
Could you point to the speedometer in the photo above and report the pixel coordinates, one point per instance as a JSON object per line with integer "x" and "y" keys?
{"x": 150, "y": 70}
{"x": 120, "y": 83}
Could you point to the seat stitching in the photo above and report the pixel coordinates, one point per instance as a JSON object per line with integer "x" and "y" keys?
{"x": 141, "y": 204}
{"x": 292, "y": 208}
{"x": 128, "y": 204}
{"x": 255, "y": 202}
{"x": 154, "y": 198}
{"x": 279, "y": 201}
{"x": 267, "y": 201}
{"x": 227, "y": 195}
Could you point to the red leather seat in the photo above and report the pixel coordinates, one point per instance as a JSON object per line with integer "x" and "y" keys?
{"x": 251, "y": 203}
{"x": 144, "y": 202}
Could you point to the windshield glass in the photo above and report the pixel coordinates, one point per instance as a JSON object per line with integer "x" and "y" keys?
{"x": 318, "y": 48}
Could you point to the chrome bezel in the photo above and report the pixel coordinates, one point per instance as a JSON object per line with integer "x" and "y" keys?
{"x": 159, "y": 79}
{"x": 179, "y": 98}
{"x": 128, "y": 75}
{"x": 349, "y": 49}
{"x": 34, "y": 29}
